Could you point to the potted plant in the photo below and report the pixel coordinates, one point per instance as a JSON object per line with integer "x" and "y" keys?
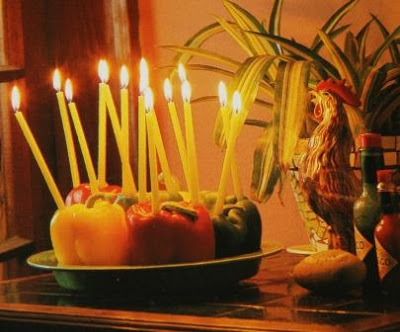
{"x": 279, "y": 73}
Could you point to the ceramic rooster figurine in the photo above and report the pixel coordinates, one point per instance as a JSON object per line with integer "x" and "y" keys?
{"x": 328, "y": 184}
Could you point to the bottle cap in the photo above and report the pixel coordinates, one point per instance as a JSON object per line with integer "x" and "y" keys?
{"x": 370, "y": 140}
{"x": 385, "y": 175}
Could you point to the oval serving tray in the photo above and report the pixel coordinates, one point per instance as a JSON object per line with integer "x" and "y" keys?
{"x": 175, "y": 278}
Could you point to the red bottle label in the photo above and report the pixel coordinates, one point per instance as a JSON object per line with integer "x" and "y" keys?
{"x": 386, "y": 262}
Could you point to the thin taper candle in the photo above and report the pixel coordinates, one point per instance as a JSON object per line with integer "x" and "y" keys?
{"x": 155, "y": 203}
{"x": 75, "y": 177}
{"x": 190, "y": 144}
{"x": 94, "y": 186}
{"x": 128, "y": 183}
{"x": 36, "y": 151}
{"x": 142, "y": 155}
{"x": 177, "y": 129}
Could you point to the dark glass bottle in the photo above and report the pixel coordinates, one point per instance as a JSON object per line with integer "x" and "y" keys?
{"x": 387, "y": 236}
{"x": 367, "y": 210}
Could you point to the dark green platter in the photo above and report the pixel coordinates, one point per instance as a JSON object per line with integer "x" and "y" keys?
{"x": 171, "y": 278}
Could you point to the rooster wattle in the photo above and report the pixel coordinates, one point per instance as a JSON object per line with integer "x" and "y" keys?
{"x": 328, "y": 183}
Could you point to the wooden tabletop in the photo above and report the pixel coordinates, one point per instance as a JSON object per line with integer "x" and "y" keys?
{"x": 269, "y": 301}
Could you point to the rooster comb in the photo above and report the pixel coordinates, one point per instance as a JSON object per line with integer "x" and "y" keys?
{"x": 339, "y": 89}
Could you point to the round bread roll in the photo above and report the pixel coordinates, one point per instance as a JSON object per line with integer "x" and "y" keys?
{"x": 330, "y": 271}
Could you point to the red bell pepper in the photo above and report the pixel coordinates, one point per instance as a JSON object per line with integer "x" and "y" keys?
{"x": 82, "y": 192}
{"x": 178, "y": 233}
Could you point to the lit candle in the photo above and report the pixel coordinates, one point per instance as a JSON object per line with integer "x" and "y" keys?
{"x": 15, "y": 100}
{"x": 102, "y": 139}
{"x": 142, "y": 163}
{"x": 94, "y": 187}
{"x": 230, "y": 150}
{"x": 67, "y": 130}
{"x": 223, "y": 97}
{"x": 177, "y": 128}
{"x": 190, "y": 144}
{"x": 162, "y": 156}
{"x": 149, "y": 106}
{"x": 182, "y": 73}
{"x": 128, "y": 183}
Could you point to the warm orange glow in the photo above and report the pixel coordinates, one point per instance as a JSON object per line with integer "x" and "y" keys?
{"x": 144, "y": 75}
{"x": 237, "y": 102}
{"x": 222, "y": 94}
{"x": 167, "y": 89}
{"x": 148, "y": 99}
{"x": 15, "y": 98}
{"x": 186, "y": 91}
{"x": 57, "y": 80}
{"x": 124, "y": 77}
{"x": 68, "y": 89}
{"x": 103, "y": 71}
{"x": 182, "y": 73}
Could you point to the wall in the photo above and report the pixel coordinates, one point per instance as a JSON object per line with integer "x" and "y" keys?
{"x": 175, "y": 21}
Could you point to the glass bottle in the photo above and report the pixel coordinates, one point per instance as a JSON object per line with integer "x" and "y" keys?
{"x": 366, "y": 210}
{"x": 387, "y": 235}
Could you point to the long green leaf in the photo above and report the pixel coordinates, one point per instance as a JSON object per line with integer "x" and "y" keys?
{"x": 247, "y": 82}
{"x": 302, "y": 51}
{"x": 236, "y": 34}
{"x": 275, "y": 23}
{"x": 388, "y": 41}
{"x": 341, "y": 62}
{"x": 198, "y": 39}
{"x": 362, "y": 44}
{"x": 332, "y": 35}
{"x": 334, "y": 20}
{"x": 204, "y": 54}
{"x": 266, "y": 172}
{"x": 394, "y": 51}
{"x": 290, "y": 108}
{"x": 247, "y": 21}
{"x": 351, "y": 49}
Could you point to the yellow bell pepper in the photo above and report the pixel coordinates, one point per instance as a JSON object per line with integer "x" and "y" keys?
{"x": 96, "y": 233}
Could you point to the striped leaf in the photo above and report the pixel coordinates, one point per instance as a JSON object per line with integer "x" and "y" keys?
{"x": 266, "y": 172}
{"x": 247, "y": 81}
{"x": 334, "y": 20}
{"x": 387, "y": 43}
{"x": 275, "y": 23}
{"x": 290, "y": 108}
{"x": 248, "y": 22}
{"x": 198, "y": 39}
{"x": 394, "y": 51}
{"x": 332, "y": 35}
{"x": 192, "y": 51}
{"x": 236, "y": 34}
{"x": 341, "y": 62}
{"x": 303, "y": 52}
{"x": 362, "y": 43}
{"x": 351, "y": 49}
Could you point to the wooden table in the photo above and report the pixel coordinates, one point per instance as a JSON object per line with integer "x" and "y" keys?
{"x": 270, "y": 301}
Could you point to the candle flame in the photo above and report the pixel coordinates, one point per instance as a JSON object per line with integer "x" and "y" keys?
{"x": 103, "y": 71}
{"x": 182, "y": 72}
{"x": 148, "y": 99}
{"x": 223, "y": 96}
{"x": 15, "y": 98}
{"x": 236, "y": 102}
{"x": 167, "y": 89}
{"x": 124, "y": 77}
{"x": 68, "y": 89}
{"x": 144, "y": 75}
{"x": 186, "y": 91}
{"x": 57, "y": 80}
